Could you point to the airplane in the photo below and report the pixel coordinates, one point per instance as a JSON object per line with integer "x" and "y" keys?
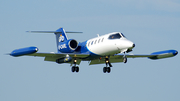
{"x": 105, "y": 49}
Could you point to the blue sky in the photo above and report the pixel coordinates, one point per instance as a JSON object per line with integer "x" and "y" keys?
{"x": 151, "y": 25}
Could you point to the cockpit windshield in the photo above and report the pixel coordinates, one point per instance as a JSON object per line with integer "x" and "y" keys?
{"x": 122, "y": 34}
{"x": 115, "y": 36}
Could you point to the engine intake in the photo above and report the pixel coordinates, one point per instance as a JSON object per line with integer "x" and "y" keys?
{"x": 68, "y": 46}
{"x": 73, "y": 44}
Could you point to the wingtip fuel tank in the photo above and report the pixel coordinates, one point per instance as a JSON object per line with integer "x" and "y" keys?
{"x": 24, "y": 51}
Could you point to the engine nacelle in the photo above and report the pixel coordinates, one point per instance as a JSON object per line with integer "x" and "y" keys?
{"x": 68, "y": 46}
{"x": 64, "y": 60}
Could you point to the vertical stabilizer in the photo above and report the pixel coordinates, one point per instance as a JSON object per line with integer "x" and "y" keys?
{"x": 60, "y": 36}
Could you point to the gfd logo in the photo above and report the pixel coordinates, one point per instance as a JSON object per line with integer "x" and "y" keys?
{"x": 62, "y": 46}
{"x": 61, "y": 38}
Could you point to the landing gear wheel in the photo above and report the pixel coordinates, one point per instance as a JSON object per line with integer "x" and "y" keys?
{"x": 108, "y": 69}
{"x": 77, "y": 69}
{"x": 125, "y": 59}
{"x": 73, "y": 69}
{"x": 104, "y": 69}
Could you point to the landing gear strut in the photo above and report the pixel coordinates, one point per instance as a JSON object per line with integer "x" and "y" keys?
{"x": 107, "y": 69}
{"x": 75, "y": 68}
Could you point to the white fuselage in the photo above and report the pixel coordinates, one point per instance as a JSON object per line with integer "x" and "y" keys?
{"x": 109, "y": 44}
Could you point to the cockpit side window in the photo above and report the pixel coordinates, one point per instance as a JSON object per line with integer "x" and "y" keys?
{"x": 115, "y": 36}
{"x": 122, "y": 34}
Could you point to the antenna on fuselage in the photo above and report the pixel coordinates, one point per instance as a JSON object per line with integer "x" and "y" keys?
{"x": 98, "y": 35}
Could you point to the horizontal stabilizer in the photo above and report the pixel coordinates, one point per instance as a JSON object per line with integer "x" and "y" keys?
{"x": 50, "y": 32}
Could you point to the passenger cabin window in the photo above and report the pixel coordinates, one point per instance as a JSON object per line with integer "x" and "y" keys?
{"x": 102, "y": 39}
{"x": 95, "y": 42}
{"x": 99, "y": 40}
{"x": 92, "y": 43}
{"x": 115, "y": 36}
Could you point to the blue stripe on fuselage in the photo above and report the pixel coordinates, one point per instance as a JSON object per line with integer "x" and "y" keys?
{"x": 84, "y": 49}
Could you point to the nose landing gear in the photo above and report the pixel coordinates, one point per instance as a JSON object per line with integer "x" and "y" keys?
{"x": 124, "y": 58}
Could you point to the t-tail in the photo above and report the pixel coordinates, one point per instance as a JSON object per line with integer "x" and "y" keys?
{"x": 60, "y": 37}
{"x": 64, "y": 45}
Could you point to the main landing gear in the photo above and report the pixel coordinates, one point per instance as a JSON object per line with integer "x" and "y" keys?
{"x": 75, "y": 68}
{"x": 107, "y": 69}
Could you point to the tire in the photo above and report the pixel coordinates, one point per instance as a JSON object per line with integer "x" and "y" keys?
{"x": 73, "y": 69}
{"x": 125, "y": 59}
{"x": 108, "y": 69}
{"x": 77, "y": 69}
{"x": 104, "y": 70}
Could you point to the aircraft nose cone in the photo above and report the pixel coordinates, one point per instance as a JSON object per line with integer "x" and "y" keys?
{"x": 133, "y": 45}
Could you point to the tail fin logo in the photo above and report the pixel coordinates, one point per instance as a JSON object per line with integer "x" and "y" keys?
{"x": 61, "y": 38}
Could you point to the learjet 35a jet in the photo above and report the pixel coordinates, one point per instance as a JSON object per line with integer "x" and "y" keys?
{"x": 105, "y": 49}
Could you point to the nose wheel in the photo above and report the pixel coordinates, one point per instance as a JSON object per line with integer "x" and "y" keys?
{"x": 124, "y": 58}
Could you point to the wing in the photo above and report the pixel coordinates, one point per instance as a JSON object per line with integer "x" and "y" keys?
{"x": 63, "y": 57}
{"x": 119, "y": 57}
{"x": 112, "y": 59}
{"x": 116, "y": 58}
{"x": 32, "y": 51}
{"x": 54, "y": 56}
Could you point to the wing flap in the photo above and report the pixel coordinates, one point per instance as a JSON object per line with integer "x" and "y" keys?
{"x": 112, "y": 60}
{"x": 138, "y": 56}
{"x": 47, "y": 54}
{"x": 52, "y": 59}
{"x": 117, "y": 58}
{"x": 73, "y": 55}
{"x": 54, "y": 56}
